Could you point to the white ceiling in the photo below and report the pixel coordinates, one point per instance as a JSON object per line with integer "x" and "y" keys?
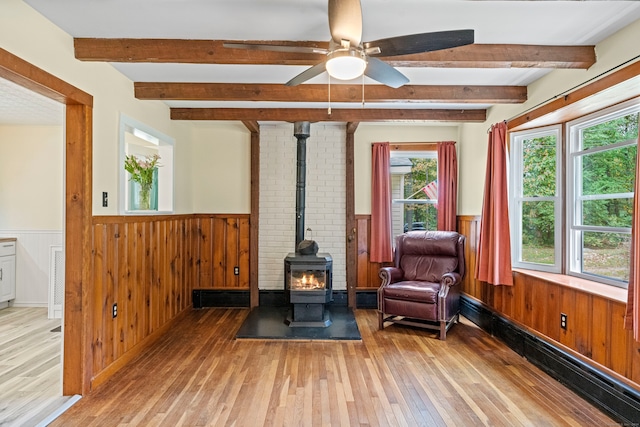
{"x": 500, "y": 22}
{"x": 20, "y": 106}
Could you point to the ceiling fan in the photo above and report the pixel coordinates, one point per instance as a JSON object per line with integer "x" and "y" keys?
{"x": 348, "y": 57}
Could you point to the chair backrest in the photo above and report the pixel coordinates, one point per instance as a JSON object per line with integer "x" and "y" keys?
{"x": 427, "y": 255}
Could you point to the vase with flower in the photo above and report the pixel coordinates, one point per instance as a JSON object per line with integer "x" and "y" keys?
{"x": 142, "y": 171}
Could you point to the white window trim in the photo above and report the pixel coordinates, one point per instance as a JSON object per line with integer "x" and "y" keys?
{"x": 127, "y": 124}
{"x": 516, "y": 198}
{"x": 573, "y": 130}
{"x": 426, "y": 154}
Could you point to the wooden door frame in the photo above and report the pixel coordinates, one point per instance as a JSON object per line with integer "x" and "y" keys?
{"x": 76, "y": 355}
{"x": 351, "y": 232}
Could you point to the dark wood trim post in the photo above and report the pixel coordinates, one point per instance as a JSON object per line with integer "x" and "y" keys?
{"x": 77, "y": 363}
{"x": 254, "y": 217}
{"x": 77, "y": 353}
{"x": 351, "y": 240}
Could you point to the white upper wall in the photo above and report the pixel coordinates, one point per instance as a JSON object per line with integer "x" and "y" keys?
{"x": 31, "y": 177}
{"x": 28, "y": 35}
{"x": 199, "y": 165}
{"x": 220, "y": 167}
{"x": 369, "y": 133}
{"x": 472, "y": 152}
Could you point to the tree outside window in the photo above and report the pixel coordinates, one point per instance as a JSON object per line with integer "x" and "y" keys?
{"x": 536, "y": 200}
{"x": 601, "y": 151}
{"x": 412, "y": 208}
{"x": 603, "y": 162}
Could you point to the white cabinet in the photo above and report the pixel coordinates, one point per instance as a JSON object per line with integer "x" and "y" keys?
{"x": 7, "y": 270}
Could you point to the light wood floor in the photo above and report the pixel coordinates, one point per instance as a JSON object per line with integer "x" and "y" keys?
{"x": 30, "y": 366}
{"x": 198, "y": 375}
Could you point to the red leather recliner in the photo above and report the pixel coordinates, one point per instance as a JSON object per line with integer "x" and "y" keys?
{"x": 423, "y": 288}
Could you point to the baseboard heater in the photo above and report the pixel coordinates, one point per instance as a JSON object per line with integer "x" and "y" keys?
{"x": 204, "y": 298}
{"x": 615, "y": 398}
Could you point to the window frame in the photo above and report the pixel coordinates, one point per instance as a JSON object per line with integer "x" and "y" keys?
{"x": 573, "y": 181}
{"x": 570, "y": 218}
{"x": 166, "y": 177}
{"x": 516, "y": 197}
{"x": 429, "y": 151}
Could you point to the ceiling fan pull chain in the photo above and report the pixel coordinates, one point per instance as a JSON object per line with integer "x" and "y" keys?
{"x": 363, "y": 90}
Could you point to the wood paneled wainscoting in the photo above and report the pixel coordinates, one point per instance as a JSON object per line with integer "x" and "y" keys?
{"x": 222, "y": 246}
{"x": 595, "y": 327}
{"x": 144, "y": 269}
{"x": 529, "y": 312}
{"x": 366, "y": 271}
{"x": 594, "y": 334}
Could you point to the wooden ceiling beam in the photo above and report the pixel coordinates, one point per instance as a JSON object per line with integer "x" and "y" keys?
{"x": 339, "y": 93}
{"x": 213, "y": 52}
{"x": 322, "y": 115}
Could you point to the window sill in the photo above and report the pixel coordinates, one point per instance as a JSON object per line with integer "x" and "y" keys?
{"x": 149, "y": 212}
{"x": 588, "y": 286}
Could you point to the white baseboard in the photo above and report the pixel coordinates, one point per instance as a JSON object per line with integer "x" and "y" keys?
{"x": 30, "y": 304}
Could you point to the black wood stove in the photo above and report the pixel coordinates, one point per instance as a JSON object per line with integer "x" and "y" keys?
{"x": 308, "y": 284}
{"x": 307, "y": 274}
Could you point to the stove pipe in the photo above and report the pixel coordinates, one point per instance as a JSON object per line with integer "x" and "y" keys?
{"x": 301, "y": 132}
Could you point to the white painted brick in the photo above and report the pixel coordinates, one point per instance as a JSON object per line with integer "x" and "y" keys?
{"x": 325, "y": 194}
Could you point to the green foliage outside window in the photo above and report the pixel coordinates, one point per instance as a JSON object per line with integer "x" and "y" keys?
{"x": 603, "y": 172}
{"x": 423, "y": 171}
{"x": 609, "y": 172}
{"x": 538, "y": 180}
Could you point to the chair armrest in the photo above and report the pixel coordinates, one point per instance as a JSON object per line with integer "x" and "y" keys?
{"x": 390, "y": 275}
{"x": 451, "y": 279}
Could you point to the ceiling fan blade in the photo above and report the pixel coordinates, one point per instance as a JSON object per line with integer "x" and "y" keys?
{"x": 276, "y": 48}
{"x": 418, "y": 43}
{"x": 307, "y": 74}
{"x": 345, "y": 21}
{"x": 384, "y": 73}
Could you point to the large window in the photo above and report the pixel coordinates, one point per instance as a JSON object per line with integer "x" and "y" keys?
{"x": 601, "y": 170}
{"x": 600, "y": 164}
{"x": 414, "y": 191}
{"x": 536, "y": 199}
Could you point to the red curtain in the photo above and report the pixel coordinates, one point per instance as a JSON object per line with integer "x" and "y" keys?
{"x": 493, "y": 263}
{"x": 632, "y": 315}
{"x": 381, "y": 204}
{"x": 447, "y": 186}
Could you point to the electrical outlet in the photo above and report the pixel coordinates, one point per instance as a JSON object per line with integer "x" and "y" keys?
{"x": 563, "y": 321}
{"x": 115, "y": 310}
{"x": 236, "y": 270}
{"x": 105, "y": 199}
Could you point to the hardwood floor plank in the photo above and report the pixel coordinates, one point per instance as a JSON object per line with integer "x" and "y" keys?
{"x": 199, "y": 375}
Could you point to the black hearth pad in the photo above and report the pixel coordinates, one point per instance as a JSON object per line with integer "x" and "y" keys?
{"x": 270, "y": 323}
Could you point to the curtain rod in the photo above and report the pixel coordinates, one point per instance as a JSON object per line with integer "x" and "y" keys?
{"x": 398, "y": 144}
{"x": 573, "y": 88}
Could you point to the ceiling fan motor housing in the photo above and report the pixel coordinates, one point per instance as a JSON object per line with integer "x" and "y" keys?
{"x": 346, "y": 64}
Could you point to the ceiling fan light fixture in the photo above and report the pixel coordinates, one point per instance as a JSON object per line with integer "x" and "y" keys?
{"x": 343, "y": 64}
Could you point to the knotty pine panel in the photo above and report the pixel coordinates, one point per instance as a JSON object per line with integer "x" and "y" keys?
{"x": 366, "y": 271}
{"x": 128, "y": 260}
{"x": 469, "y": 226}
{"x": 222, "y": 244}
{"x": 149, "y": 266}
{"x": 594, "y": 323}
{"x": 600, "y": 327}
{"x": 619, "y": 342}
